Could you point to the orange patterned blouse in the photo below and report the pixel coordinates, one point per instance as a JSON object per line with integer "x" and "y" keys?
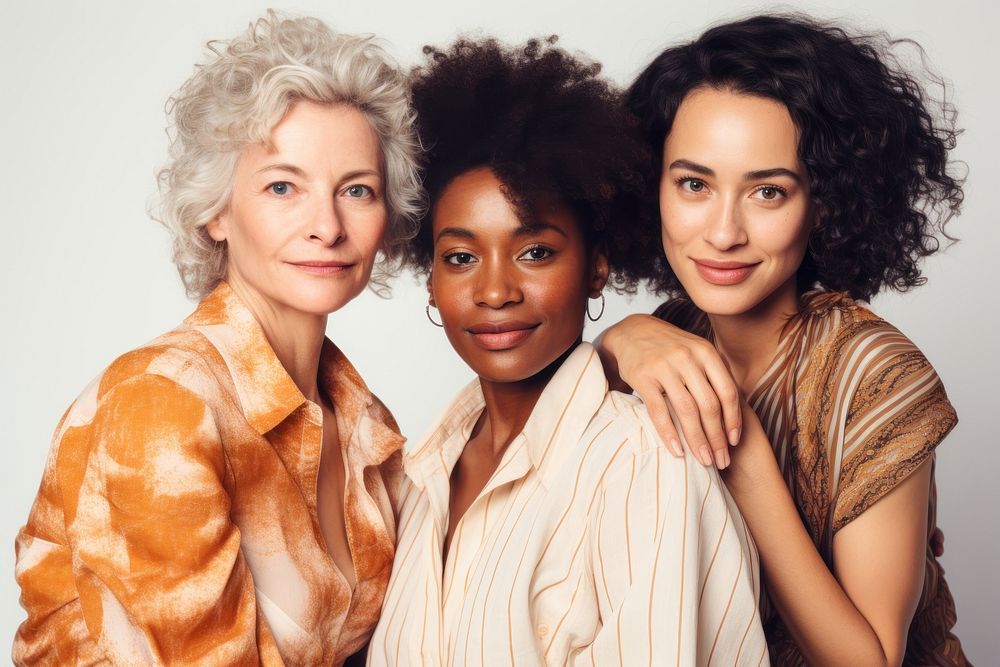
{"x": 176, "y": 520}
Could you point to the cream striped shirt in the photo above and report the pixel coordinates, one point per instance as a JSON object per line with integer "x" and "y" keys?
{"x": 590, "y": 544}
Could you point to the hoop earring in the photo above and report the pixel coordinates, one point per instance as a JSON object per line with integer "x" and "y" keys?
{"x": 427, "y": 309}
{"x": 591, "y": 317}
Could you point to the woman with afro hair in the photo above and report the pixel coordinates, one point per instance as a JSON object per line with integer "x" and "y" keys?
{"x": 804, "y": 169}
{"x": 541, "y": 521}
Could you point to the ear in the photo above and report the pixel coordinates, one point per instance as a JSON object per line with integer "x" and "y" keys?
{"x": 218, "y": 227}
{"x": 430, "y": 290}
{"x": 599, "y": 270}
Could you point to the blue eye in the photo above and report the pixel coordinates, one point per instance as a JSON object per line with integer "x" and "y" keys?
{"x": 358, "y": 191}
{"x": 459, "y": 258}
{"x": 281, "y": 188}
{"x": 536, "y": 254}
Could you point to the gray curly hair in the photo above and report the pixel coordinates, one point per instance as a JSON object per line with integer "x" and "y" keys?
{"x": 236, "y": 98}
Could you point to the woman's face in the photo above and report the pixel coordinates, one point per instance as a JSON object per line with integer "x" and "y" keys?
{"x": 511, "y": 296}
{"x": 734, "y": 201}
{"x": 307, "y": 213}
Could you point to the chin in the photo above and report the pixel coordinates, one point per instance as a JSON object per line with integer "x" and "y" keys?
{"x": 323, "y": 301}
{"x": 723, "y": 301}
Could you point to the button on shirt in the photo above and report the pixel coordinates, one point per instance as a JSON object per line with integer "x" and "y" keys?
{"x": 590, "y": 544}
{"x": 176, "y": 521}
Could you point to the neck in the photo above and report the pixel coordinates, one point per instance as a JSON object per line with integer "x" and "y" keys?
{"x": 296, "y": 337}
{"x": 748, "y": 341}
{"x": 510, "y": 404}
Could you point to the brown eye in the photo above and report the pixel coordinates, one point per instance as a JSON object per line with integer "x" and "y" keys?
{"x": 769, "y": 193}
{"x": 536, "y": 254}
{"x": 692, "y": 185}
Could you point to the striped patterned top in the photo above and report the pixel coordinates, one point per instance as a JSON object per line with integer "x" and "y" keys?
{"x": 590, "y": 545}
{"x": 851, "y": 408}
{"x": 176, "y": 522}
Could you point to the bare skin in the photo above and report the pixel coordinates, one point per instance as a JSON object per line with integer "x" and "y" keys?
{"x": 871, "y": 593}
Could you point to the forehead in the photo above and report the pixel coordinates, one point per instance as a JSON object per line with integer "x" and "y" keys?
{"x": 727, "y": 126}
{"x": 477, "y": 199}
{"x": 323, "y": 133}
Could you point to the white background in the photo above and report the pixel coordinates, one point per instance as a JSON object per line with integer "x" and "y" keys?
{"x": 86, "y": 275}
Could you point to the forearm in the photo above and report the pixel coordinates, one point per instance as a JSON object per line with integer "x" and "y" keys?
{"x": 826, "y": 626}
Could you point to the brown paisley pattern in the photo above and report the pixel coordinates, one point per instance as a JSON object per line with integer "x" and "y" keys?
{"x": 852, "y": 408}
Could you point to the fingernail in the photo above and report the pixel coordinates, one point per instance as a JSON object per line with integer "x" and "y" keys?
{"x": 706, "y": 456}
{"x": 675, "y": 447}
{"x": 734, "y": 437}
{"x": 720, "y": 459}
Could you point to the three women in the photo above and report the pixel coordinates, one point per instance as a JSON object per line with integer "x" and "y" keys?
{"x": 99, "y": 560}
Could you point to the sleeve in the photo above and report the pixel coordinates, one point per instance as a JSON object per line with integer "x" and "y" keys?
{"x": 157, "y": 561}
{"x": 54, "y": 633}
{"x": 896, "y": 413}
{"x": 675, "y": 568}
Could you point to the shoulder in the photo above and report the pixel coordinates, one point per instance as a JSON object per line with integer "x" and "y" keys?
{"x": 683, "y": 314}
{"x": 182, "y": 359}
{"x": 632, "y": 448}
{"x": 855, "y": 349}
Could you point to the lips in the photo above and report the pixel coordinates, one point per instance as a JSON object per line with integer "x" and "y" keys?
{"x": 322, "y": 268}
{"x": 724, "y": 273}
{"x": 495, "y": 336}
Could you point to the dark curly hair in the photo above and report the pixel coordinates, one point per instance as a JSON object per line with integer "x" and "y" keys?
{"x": 547, "y": 125}
{"x": 875, "y": 145}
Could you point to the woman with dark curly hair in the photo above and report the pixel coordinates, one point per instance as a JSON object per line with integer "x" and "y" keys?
{"x": 802, "y": 170}
{"x": 541, "y": 521}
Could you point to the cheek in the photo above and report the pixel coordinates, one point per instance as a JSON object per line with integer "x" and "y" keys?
{"x": 785, "y": 237}
{"x": 368, "y": 233}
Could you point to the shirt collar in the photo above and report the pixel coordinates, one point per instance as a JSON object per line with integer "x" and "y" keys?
{"x": 266, "y": 391}
{"x": 563, "y": 411}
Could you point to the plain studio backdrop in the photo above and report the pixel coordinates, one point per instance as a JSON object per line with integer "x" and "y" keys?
{"x": 86, "y": 275}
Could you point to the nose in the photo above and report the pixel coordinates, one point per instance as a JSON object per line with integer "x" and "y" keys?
{"x": 497, "y": 284}
{"x": 326, "y": 225}
{"x": 726, "y": 229}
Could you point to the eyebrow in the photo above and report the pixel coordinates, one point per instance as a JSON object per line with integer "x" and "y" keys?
{"x": 748, "y": 176}
{"x": 536, "y": 227}
{"x": 298, "y": 171}
{"x": 282, "y": 167}
{"x": 523, "y": 230}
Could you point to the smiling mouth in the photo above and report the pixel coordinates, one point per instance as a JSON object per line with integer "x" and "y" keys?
{"x": 724, "y": 273}
{"x": 500, "y": 335}
{"x": 322, "y": 268}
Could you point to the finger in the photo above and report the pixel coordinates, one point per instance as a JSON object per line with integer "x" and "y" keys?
{"x": 659, "y": 414}
{"x": 729, "y": 397}
{"x": 710, "y": 414}
{"x": 686, "y": 408}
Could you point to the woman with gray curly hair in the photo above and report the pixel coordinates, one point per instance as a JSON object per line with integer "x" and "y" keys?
{"x": 224, "y": 494}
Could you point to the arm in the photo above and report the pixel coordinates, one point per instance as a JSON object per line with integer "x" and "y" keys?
{"x": 859, "y": 614}
{"x": 676, "y": 576}
{"x": 158, "y": 565}
{"x": 667, "y": 366}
